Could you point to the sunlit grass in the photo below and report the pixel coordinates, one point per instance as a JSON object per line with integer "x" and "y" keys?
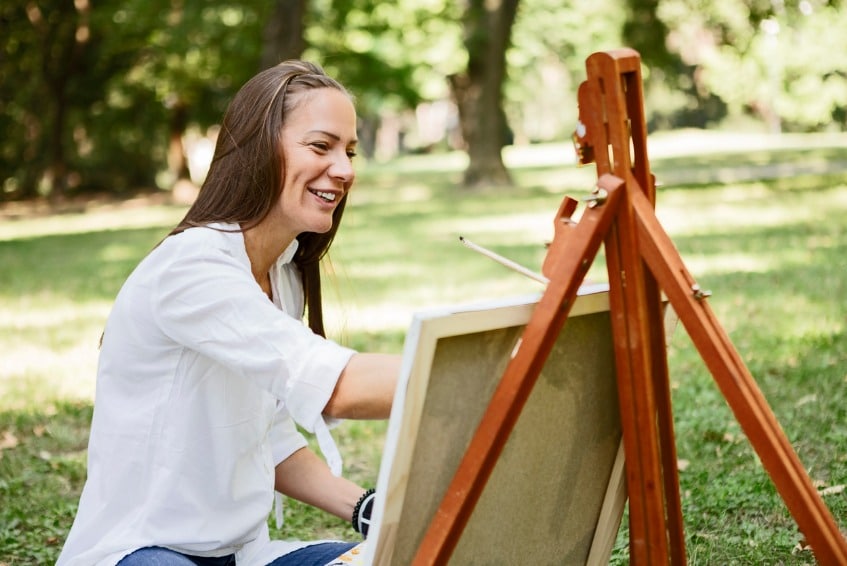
{"x": 772, "y": 250}
{"x": 95, "y": 219}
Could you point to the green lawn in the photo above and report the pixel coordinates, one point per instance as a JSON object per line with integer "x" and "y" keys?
{"x": 761, "y": 222}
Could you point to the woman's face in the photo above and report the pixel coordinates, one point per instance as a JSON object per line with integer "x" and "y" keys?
{"x": 318, "y": 145}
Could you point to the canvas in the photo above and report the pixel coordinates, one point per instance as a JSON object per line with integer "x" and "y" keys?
{"x": 556, "y": 495}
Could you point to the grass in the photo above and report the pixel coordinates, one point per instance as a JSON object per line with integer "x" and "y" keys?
{"x": 762, "y": 224}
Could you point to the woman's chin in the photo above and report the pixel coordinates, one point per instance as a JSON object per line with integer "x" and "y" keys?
{"x": 320, "y": 228}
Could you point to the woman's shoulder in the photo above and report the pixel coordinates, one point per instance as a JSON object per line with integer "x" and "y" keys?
{"x": 218, "y": 237}
{"x": 214, "y": 233}
{"x": 214, "y": 245}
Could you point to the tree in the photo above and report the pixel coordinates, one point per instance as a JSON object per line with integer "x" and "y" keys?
{"x": 54, "y": 44}
{"x": 376, "y": 49}
{"x": 194, "y": 61}
{"x": 284, "y": 34}
{"x": 550, "y": 42}
{"x": 99, "y": 95}
{"x": 768, "y": 59}
{"x": 23, "y": 142}
{"x": 645, "y": 32}
{"x": 478, "y": 91}
{"x": 63, "y": 123}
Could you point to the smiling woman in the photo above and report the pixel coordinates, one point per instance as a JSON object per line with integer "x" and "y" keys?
{"x": 318, "y": 144}
{"x": 206, "y": 369}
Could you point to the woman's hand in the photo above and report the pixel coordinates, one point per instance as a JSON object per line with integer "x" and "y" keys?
{"x": 306, "y": 477}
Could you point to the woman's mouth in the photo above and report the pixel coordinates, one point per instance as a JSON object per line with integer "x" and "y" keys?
{"x": 326, "y": 196}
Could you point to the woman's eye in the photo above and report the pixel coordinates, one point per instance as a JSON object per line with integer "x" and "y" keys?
{"x": 351, "y": 154}
{"x": 321, "y": 146}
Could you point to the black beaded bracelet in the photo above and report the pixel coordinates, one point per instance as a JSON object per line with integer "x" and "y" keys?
{"x": 361, "y": 519}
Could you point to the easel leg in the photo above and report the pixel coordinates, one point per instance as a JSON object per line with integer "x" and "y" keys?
{"x": 638, "y": 338}
{"x": 740, "y": 390}
{"x": 610, "y": 103}
{"x": 667, "y": 438}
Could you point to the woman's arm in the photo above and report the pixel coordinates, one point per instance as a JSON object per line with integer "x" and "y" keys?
{"x": 307, "y": 478}
{"x": 365, "y": 388}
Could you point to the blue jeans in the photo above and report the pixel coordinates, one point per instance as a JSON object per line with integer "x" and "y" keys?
{"x": 314, "y": 555}
{"x": 158, "y": 556}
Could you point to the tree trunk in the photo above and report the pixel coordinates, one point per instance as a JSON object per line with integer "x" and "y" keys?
{"x": 283, "y": 36}
{"x": 645, "y": 32}
{"x": 177, "y": 161}
{"x": 479, "y": 91}
{"x": 64, "y": 39}
{"x": 58, "y": 163}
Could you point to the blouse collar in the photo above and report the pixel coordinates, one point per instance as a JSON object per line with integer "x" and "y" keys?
{"x": 237, "y": 239}
{"x": 288, "y": 255}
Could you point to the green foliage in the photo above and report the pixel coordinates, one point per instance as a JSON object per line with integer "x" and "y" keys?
{"x": 772, "y": 60}
{"x": 56, "y": 61}
{"x": 196, "y": 54}
{"x": 91, "y": 92}
{"x": 550, "y": 42}
{"x": 96, "y": 86}
{"x": 643, "y": 25}
{"x": 392, "y": 55}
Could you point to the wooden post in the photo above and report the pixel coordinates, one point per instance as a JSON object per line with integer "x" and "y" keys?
{"x": 611, "y": 110}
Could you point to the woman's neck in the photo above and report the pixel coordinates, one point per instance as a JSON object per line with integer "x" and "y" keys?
{"x": 264, "y": 247}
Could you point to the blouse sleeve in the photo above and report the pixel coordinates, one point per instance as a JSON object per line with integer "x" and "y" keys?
{"x": 205, "y": 298}
{"x": 285, "y": 439}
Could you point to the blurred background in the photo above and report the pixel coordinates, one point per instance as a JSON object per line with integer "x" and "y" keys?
{"x": 120, "y": 95}
{"x": 108, "y": 118}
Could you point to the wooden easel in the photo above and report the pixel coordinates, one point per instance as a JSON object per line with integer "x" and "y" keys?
{"x": 642, "y": 262}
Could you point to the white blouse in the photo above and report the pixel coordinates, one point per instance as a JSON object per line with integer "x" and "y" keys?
{"x": 201, "y": 380}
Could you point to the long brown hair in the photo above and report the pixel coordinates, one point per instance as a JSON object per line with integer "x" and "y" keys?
{"x": 246, "y": 175}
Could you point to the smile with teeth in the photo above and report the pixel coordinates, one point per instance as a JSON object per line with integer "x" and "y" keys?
{"x": 327, "y": 196}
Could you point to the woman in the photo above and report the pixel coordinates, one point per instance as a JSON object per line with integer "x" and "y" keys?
{"x": 205, "y": 367}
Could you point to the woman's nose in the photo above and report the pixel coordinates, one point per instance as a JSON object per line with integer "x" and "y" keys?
{"x": 342, "y": 168}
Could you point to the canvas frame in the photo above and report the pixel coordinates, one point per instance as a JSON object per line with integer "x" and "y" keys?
{"x": 399, "y": 518}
